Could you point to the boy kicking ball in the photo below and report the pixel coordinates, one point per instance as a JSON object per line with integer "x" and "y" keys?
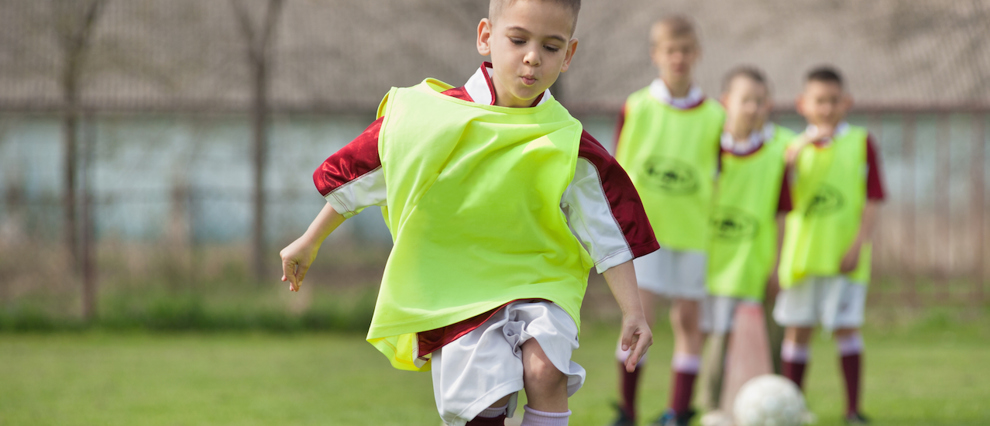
{"x": 825, "y": 263}
{"x": 498, "y": 204}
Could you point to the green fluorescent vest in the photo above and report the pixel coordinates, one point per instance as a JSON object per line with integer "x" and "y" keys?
{"x": 671, "y": 155}
{"x": 473, "y": 197}
{"x": 743, "y": 244}
{"x": 829, "y": 194}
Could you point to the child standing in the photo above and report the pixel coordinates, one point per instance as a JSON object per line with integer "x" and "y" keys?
{"x": 825, "y": 263}
{"x": 752, "y": 197}
{"x": 498, "y": 203}
{"x": 669, "y": 143}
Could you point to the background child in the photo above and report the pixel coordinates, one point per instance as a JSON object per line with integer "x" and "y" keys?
{"x": 825, "y": 263}
{"x": 751, "y": 199}
{"x": 486, "y": 277}
{"x": 669, "y": 143}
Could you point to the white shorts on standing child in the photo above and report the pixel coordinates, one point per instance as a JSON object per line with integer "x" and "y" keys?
{"x": 483, "y": 366}
{"x": 673, "y": 274}
{"x": 834, "y": 302}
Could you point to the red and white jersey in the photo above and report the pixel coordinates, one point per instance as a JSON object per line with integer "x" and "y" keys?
{"x": 601, "y": 205}
{"x": 874, "y": 184}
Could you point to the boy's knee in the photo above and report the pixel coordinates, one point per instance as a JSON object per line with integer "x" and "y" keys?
{"x": 538, "y": 371}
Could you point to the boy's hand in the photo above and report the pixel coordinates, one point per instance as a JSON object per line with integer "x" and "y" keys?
{"x": 851, "y": 259}
{"x": 296, "y": 260}
{"x": 636, "y": 337}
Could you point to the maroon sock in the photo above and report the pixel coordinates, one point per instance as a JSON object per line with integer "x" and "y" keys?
{"x": 795, "y": 372}
{"x": 629, "y": 382}
{"x": 850, "y": 369}
{"x": 487, "y": 421}
{"x": 680, "y": 395}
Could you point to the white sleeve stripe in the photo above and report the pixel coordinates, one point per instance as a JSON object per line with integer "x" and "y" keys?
{"x": 365, "y": 191}
{"x": 590, "y": 217}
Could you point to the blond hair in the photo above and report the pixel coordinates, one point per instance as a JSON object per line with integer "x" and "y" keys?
{"x": 674, "y": 26}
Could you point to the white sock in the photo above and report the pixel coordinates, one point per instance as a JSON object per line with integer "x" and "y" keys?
{"x": 792, "y": 352}
{"x": 686, "y": 363}
{"x": 851, "y": 345}
{"x": 543, "y": 418}
{"x": 492, "y": 412}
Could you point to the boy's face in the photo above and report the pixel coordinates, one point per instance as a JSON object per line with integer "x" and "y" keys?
{"x": 530, "y": 44}
{"x": 675, "y": 56}
{"x": 823, "y": 103}
{"x": 747, "y": 101}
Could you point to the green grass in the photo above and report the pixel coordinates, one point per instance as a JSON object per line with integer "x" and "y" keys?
{"x": 929, "y": 371}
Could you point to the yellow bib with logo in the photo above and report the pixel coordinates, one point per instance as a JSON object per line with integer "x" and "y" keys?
{"x": 743, "y": 226}
{"x": 473, "y": 195}
{"x": 829, "y": 194}
{"x": 671, "y": 155}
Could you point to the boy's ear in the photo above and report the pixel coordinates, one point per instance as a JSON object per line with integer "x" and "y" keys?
{"x": 797, "y": 104}
{"x": 485, "y": 37}
{"x": 569, "y": 54}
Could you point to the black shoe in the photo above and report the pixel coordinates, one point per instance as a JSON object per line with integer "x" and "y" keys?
{"x": 670, "y": 418}
{"x": 857, "y": 419}
{"x": 623, "y": 419}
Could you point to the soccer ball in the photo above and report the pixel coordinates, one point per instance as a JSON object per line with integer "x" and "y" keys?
{"x": 769, "y": 400}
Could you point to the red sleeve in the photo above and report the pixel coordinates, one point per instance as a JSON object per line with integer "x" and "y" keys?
{"x": 624, "y": 201}
{"x": 618, "y": 127}
{"x": 351, "y": 162}
{"x": 874, "y": 181}
{"x": 784, "y": 202}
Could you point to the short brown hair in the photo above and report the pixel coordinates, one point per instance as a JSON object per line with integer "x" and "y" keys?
{"x": 675, "y": 26}
{"x": 824, "y": 74}
{"x": 745, "y": 71}
{"x": 495, "y": 8}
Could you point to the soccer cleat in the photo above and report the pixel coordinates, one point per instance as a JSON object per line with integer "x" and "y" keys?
{"x": 857, "y": 419}
{"x": 670, "y": 418}
{"x": 623, "y": 419}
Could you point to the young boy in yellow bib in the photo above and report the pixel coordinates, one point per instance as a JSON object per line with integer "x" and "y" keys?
{"x": 669, "y": 143}
{"x": 825, "y": 262}
{"x": 751, "y": 199}
{"x": 499, "y": 204}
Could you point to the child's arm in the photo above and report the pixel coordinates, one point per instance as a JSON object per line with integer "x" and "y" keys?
{"x": 773, "y": 285}
{"x": 636, "y": 335}
{"x": 868, "y": 221}
{"x": 299, "y": 255}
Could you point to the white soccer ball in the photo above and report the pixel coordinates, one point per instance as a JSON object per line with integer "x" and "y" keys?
{"x": 769, "y": 400}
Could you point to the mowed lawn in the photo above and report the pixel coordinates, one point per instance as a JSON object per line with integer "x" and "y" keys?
{"x": 926, "y": 376}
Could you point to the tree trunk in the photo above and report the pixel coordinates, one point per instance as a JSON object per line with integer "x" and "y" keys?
{"x": 260, "y": 129}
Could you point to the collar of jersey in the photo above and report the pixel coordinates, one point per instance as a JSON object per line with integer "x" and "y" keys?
{"x": 481, "y": 89}
{"x": 660, "y": 91}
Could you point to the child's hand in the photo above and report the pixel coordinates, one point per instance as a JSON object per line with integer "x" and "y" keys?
{"x": 636, "y": 337}
{"x": 851, "y": 259}
{"x": 296, "y": 260}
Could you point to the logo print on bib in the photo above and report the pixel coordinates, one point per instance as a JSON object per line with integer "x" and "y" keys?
{"x": 671, "y": 175}
{"x": 733, "y": 224}
{"x": 826, "y": 201}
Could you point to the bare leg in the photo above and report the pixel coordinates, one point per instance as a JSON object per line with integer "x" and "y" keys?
{"x": 546, "y": 386}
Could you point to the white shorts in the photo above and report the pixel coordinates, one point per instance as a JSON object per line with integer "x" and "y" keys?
{"x": 673, "y": 274}
{"x": 717, "y": 313}
{"x": 834, "y": 302}
{"x": 476, "y": 370}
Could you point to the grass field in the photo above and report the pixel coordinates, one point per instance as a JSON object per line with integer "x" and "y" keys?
{"x": 931, "y": 372}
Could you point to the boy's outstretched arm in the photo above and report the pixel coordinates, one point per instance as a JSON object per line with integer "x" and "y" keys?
{"x": 636, "y": 335}
{"x": 299, "y": 255}
{"x": 868, "y": 221}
